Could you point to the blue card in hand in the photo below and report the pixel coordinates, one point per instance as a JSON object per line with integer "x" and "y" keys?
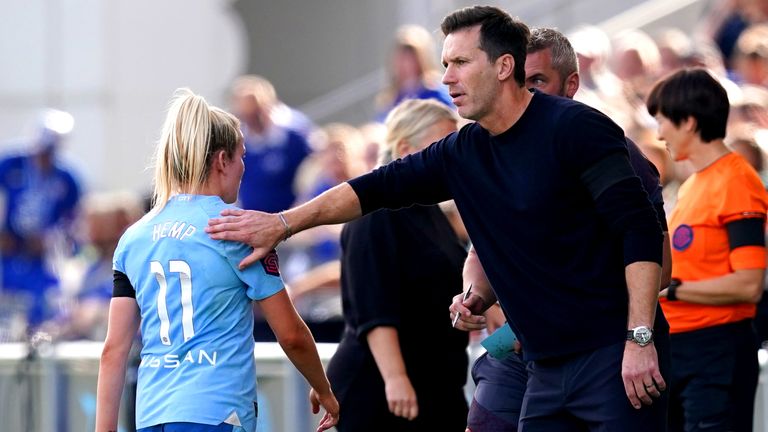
{"x": 500, "y": 343}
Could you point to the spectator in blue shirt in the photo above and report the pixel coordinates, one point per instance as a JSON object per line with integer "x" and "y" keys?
{"x": 41, "y": 195}
{"x": 274, "y": 152}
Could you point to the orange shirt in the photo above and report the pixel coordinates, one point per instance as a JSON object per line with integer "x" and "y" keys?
{"x": 725, "y": 191}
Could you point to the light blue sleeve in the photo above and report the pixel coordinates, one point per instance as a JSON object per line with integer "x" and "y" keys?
{"x": 118, "y": 263}
{"x": 128, "y": 238}
{"x": 262, "y": 277}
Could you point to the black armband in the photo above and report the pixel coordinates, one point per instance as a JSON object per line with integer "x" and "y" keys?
{"x": 643, "y": 245}
{"x": 122, "y": 286}
{"x": 746, "y": 232}
{"x": 625, "y": 209}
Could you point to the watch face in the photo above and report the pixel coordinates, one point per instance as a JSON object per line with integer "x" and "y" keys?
{"x": 643, "y": 335}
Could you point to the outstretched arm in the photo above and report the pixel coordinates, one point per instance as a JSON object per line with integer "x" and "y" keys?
{"x": 416, "y": 179}
{"x": 263, "y": 231}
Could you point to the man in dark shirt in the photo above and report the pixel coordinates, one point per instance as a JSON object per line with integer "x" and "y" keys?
{"x": 551, "y": 67}
{"x": 567, "y": 236}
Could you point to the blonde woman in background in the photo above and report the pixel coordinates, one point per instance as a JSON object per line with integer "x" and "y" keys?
{"x": 399, "y": 271}
{"x": 413, "y": 71}
{"x": 338, "y": 158}
{"x": 193, "y": 303}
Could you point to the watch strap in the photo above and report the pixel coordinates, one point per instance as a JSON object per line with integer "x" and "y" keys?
{"x": 672, "y": 289}
{"x": 631, "y": 335}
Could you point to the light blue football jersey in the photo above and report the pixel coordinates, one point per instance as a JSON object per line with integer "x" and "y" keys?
{"x": 197, "y": 361}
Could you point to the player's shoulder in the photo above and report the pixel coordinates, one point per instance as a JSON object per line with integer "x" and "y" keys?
{"x": 211, "y": 206}
{"x": 134, "y": 229}
{"x": 131, "y": 236}
{"x": 193, "y": 209}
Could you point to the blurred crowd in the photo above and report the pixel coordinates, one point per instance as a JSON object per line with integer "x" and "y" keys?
{"x": 57, "y": 240}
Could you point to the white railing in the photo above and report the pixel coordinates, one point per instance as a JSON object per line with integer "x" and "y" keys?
{"x": 53, "y": 388}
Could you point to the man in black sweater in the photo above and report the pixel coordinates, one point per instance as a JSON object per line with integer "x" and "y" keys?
{"x": 551, "y": 67}
{"x": 566, "y": 234}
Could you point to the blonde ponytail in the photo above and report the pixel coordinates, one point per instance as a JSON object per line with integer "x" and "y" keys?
{"x": 186, "y": 144}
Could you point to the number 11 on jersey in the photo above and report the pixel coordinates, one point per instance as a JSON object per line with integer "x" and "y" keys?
{"x": 185, "y": 279}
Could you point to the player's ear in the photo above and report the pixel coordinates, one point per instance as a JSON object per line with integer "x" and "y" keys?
{"x": 220, "y": 161}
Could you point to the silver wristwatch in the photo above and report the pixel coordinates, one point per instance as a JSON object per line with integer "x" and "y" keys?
{"x": 641, "y": 335}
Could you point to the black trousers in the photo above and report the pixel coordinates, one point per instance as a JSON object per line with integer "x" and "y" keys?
{"x": 714, "y": 379}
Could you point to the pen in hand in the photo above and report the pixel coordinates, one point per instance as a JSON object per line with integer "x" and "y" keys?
{"x": 458, "y": 314}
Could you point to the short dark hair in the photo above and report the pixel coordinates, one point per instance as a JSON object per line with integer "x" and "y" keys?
{"x": 563, "y": 56}
{"x": 500, "y": 34}
{"x": 692, "y": 93}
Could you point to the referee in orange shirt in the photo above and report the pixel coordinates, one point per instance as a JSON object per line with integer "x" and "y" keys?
{"x": 718, "y": 259}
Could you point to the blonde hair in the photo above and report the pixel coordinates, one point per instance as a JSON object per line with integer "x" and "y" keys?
{"x": 409, "y": 121}
{"x": 192, "y": 134}
{"x": 752, "y": 42}
{"x": 422, "y": 43}
{"x": 257, "y": 86}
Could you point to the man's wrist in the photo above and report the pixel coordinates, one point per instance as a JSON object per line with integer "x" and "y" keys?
{"x": 641, "y": 335}
{"x": 487, "y": 299}
{"x": 287, "y": 228}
